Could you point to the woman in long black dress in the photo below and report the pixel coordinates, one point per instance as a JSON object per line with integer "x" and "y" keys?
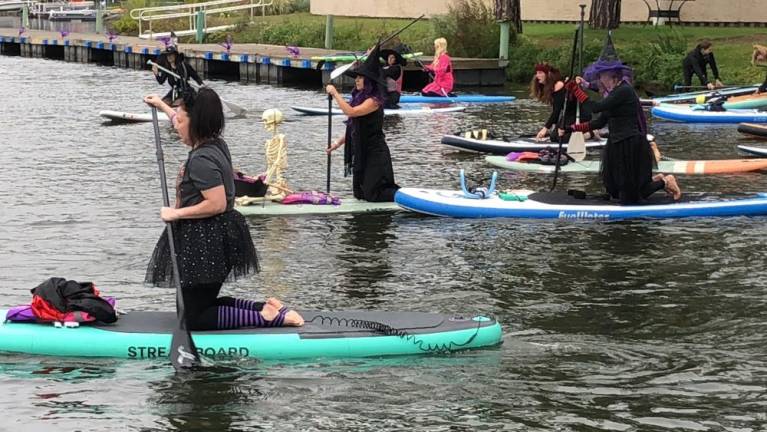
{"x": 627, "y": 159}
{"x": 366, "y": 155}
{"x": 212, "y": 239}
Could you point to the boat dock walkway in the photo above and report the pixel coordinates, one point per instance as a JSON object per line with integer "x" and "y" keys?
{"x": 255, "y": 63}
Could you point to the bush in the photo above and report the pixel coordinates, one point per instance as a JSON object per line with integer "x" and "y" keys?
{"x": 657, "y": 65}
{"x": 470, "y": 29}
{"x": 524, "y": 54}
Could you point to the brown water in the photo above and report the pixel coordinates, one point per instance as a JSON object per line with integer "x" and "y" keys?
{"x": 622, "y": 326}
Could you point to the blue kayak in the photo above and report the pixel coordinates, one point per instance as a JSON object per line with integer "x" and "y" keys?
{"x": 559, "y": 205}
{"x": 467, "y": 98}
{"x": 687, "y": 114}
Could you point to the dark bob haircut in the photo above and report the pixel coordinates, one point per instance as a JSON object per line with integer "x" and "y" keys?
{"x": 206, "y": 114}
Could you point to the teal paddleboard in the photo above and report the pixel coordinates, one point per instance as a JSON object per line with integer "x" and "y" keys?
{"x": 147, "y": 335}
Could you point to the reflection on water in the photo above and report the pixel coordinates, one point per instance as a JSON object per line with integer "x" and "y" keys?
{"x": 637, "y": 325}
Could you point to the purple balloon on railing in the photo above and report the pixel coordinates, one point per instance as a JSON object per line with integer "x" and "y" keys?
{"x": 293, "y": 50}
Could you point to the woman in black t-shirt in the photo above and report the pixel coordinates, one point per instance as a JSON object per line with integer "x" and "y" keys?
{"x": 213, "y": 241}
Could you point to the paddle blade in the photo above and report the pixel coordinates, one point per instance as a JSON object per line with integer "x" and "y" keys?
{"x": 236, "y": 109}
{"x": 183, "y": 353}
{"x": 576, "y": 147}
{"x": 337, "y": 72}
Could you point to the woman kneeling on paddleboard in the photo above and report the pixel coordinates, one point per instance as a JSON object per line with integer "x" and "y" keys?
{"x": 366, "y": 156}
{"x": 442, "y": 68}
{"x": 212, "y": 239}
{"x": 627, "y": 159}
{"x": 547, "y": 87}
{"x": 394, "y": 71}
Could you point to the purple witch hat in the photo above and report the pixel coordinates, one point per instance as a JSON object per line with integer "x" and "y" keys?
{"x": 608, "y": 61}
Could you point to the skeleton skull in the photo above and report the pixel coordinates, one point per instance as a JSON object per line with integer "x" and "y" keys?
{"x": 271, "y": 118}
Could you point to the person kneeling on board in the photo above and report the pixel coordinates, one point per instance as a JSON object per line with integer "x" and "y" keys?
{"x": 627, "y": 159}
{"x": 213, "y": 241}
{"x": 547, "y": 87}
{"x": 366, "y": 155}
{"x": 174, "y": 61}
{"x": 394, "y": 71}
{"x": 442, "y": 68}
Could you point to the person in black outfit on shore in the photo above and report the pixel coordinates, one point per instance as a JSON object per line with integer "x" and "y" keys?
{"x": 393, "y": 72}
{"x": 174, "y": 61}
{"x": 547, "y": 87}
{"x": 627, "y": 159}
{"x": 695, "y": 63}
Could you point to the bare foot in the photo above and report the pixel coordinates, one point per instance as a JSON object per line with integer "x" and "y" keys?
{"x": 269, "y": 311}
{"x": 293, "y": 319}
{"x": 672, "y": 187}
{"x": 274, "y": 302}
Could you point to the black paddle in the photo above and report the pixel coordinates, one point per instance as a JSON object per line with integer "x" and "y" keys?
{"x": 183, "y": 353}
{"x": 330, "y": 135}
{"x": 560, "y": 123}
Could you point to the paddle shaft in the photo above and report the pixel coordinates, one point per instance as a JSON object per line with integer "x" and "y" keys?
{"x": 341, "y": 69}
{"x": 580, "y": 59}
{"x": 179, "y": 362}
{"x": 236, "y": 108}
{"x": 330, "y": 137}
{"x": 564, "y": 108}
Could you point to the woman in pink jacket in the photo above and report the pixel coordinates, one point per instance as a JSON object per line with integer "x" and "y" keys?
{"x": 442, "y": 68}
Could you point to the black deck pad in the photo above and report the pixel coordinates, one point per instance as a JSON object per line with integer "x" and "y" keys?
{"x": 658, "y": 198}
{"x": 319, "y": 324}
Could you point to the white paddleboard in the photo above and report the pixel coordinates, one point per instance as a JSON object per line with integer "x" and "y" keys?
{"x": 126, "y": 117}
{"x": 400, "y": 112}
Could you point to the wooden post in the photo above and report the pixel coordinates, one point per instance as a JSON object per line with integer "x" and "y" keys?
{"x": 329, "y": 32}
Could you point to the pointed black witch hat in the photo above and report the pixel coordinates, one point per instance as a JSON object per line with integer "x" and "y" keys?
{"x": 369, "y": 68}
{"x": 608, "y": 61}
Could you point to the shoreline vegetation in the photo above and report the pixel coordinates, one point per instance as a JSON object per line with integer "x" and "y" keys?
{"x": 655, "y": 53}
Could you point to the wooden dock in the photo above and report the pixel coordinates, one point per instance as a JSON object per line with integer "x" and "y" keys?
{"x": 250, "y": 63}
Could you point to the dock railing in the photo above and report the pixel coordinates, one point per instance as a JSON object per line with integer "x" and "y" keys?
{"x": 195, "y": 12}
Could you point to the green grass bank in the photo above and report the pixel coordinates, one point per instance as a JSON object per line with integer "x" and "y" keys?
{"x": 655, "y": 53}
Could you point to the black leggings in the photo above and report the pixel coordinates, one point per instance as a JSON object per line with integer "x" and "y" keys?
{"x": 201, "y": 304}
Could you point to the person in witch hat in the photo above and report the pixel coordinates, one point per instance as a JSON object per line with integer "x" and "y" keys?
{"x": 393, "y": 72}
{"x": 548, "y": 87}
{"x": 366, "y": 155}
{"x": 174, "y": 61}
{"x": 627, "y": 159}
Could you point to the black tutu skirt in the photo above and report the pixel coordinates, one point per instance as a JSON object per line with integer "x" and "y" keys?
{"x": 627, "y": 168}
{"x": 210, "y": 250}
